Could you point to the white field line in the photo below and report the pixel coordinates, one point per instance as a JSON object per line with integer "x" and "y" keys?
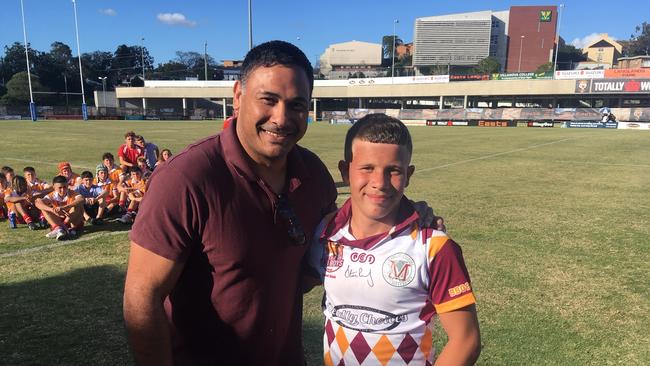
{"x": 494, "y": 155}
{"x": 604, "y": 164}
{"x": 46, "y": 163}
{"x": 60, "y": 244}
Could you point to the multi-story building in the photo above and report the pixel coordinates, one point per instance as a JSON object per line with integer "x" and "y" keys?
{"x": 603, "y": 50}
{"x": 354, "y": 58}
{"x": 532, "y": 36}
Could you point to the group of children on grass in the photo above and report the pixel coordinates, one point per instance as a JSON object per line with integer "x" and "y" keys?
{"x": 73, "y": 200}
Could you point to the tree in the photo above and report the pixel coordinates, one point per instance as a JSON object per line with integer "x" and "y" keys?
{"x": 14, "y": 60}
{"x": 52, "y": 66}
{"x": 639, "y": 43}
{"x": 567, "y": 56}
{"x": 546, "y": 67}
{"x": 18, "y": 89}
{"x": 189, "y": 64}
{"x": 488, "y": 65}
{"x": 127, "y": 61}
{"x": 98, "y": 64}
{"x": 387, "y": 49}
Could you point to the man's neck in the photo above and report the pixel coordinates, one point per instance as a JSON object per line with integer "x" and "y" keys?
{"x": 274, "y": 174}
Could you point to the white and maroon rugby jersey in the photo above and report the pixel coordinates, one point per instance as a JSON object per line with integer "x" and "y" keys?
{"x": 382, "y": 292}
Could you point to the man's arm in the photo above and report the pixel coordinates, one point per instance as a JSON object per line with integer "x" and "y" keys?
{"x": 149, "y": 279}
{"x": 463, "y": 337}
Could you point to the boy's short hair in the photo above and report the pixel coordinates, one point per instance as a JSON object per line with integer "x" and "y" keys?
{"x": 378, "y": 128}
{"x": 133, "y": 169}
{"x": 141, "y": 158}
{"x": 60, "y": 179}
{"x": 6, "y": 169}
{"x": 276, "y": 53}
{"x": 139, "y": 138}
{"x": 29, "y": 169}
{"x": 86, "y": 174}
{"x": 129, "y": 134}
{"x": 108, "y": 156}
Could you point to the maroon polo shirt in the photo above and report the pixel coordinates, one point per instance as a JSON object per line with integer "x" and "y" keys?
{"x": 238, "y": 300}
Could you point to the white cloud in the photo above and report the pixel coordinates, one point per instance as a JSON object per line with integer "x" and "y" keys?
{"x": 586, "y": 40}
{"x": 110, "y": 12}
{"x": 175, "y": 19}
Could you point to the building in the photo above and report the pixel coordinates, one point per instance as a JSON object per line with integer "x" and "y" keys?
{"x": 231, "y": 69}
{"x": 603, "y": 50}
{"x": 352, "y": 59}
{"x": 635, "y": 62}
{"x": 454, "y": 39}
{"x": 531, "y": 37}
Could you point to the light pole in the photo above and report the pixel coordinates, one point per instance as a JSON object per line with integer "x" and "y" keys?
{"x": 65, "y": 83}
{"x": 142, "y": 56}
{"x": 32, "y": 106}
{"x": 392, "y": 71}
{"x": 521, "y": 47}
{"x": 250, "y": 25}
{"x": 205, "y": 59}
{"x": 103, "y": 79}
{"x": 557, "y": 39}
{"x": 84, "y": 109}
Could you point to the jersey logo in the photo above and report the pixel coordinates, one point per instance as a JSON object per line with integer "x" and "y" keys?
{"x": 334, "y": 256}
{"x": 366, "y": 319}
{"x": 460, "y": 289}
{"x": 362, "y": 258}
{"x": 399, "y": 270}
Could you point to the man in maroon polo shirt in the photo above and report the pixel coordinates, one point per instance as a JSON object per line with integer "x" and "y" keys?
{"x": 216, "y": 251}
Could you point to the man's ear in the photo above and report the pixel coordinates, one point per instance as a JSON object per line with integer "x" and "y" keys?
{"x": 409, "y": 173}
{"x": 236, "y": 100}
{"x": 344, "y": 168}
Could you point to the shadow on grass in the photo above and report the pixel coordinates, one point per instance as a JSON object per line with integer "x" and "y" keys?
{"x": 71, "y": 319}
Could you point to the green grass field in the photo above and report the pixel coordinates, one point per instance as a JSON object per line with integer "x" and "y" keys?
{"x": 554, "y": 225}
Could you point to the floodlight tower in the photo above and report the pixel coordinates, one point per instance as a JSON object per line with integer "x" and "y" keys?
{"x": 84, "y": 108}
{"x": 32, "y": 106}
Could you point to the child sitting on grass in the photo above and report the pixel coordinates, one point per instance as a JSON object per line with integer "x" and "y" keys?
{"x": 21, "y": 203}
{"x": 94, "y": 199}
{"x": 63, "y": 209}
{"x": 135, "y": 188}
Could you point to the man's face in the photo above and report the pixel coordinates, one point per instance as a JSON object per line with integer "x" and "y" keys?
{"x": 60, "y": 188}
{"x": 272, "y": 112}
{"x": 377, "y": 175}
{"x": 108, "y": 163}
{"x": 101, "y": 176}
{"x": 29, "y": 176}
{"x": 129, "y": 141}
{"x": 87, "y": 182}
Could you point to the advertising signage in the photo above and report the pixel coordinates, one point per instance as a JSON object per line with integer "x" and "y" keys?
{"x": 522, "y": 75}
{"x": 473, "y": 77}
{"x": 545, "y": 15}
{"x": 612, "y": 86}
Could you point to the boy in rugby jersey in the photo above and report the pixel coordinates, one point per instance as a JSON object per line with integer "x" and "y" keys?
{"x": 63, "y": 209}
{"x": 117, "y": 175}
{"x": 94, "y": 199}
{"x": 73, "y": 179}
{"x": 135, "y": 188}
{"x": 104, "y": 181}
{"x": 21, "y": 202}
{"x": 39, "y": 188}
{"x": 385, "y": 277}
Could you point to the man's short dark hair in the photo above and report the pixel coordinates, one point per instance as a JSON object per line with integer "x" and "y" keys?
{"x": 60, "y": 179}
{"x": 378, "y": 128}
{"x": 108, "y": 156}
{"x": 276, "y": 53}
{"x": 86, "y": 174}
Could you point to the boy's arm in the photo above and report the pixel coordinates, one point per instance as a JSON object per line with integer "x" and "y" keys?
{"x": 43, "y": 206}
{"x": 43, "y": 193}
{"x": 124, "y": 162}
{"x": 463, "y": 337}
{"x": 78, "y": 201}
{"x": 16, "y": 199}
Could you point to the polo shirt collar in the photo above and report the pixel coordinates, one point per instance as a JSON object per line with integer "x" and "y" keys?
{"x": 406, "y": 217}
{"x": 236, "y": 156}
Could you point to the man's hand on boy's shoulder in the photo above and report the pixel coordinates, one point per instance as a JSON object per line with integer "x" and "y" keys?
{"x": 427, "y": 217}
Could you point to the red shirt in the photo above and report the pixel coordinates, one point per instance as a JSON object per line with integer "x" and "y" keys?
{"x": 238, "y": 300}
{"x": 130, "y": 154}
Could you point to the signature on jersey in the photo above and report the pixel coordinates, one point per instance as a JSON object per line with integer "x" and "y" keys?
{"x": 360, "y": 272}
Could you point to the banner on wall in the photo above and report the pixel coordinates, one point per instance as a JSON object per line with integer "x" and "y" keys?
{"x": 589, "y": 124}
{"x": 482, "y": 123}
{"x": 634, "y": 126}
{"x": 522, "y": 75}
{"x": 612, "y": 86}
{"x": 473, "y": 77}
{"x": 580, "y": 74}
{"x": 626, "y": 73}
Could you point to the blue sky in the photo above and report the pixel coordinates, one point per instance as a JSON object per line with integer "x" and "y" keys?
{"x": 168, "y": 26}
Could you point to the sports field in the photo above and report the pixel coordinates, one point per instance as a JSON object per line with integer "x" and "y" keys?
{"x": 554, "y": 226}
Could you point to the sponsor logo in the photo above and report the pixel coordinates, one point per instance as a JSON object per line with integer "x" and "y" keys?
{"x": 582, "y": 86}
{"x": 362, "y": 258}
{"x": 492, "y": 124}
{"x": 334, "y": 257}
{"x": 460, "y": 289}
{"x": 399, "y": 270}
{"x": 366, "y": 319}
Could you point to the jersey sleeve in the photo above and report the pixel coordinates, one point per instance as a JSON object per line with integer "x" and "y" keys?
{"x": 450, "y": 287}
{"x": 317, "y": 254}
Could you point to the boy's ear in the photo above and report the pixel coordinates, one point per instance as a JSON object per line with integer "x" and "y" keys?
{"x": 409, "y": 173}
{"x": 344, "y": 168}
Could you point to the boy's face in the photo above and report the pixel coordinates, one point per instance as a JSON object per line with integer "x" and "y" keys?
{"x": 9, "y": 176}
{"x": 129, "y": 141}
{"x": 139, "y": 142}
{"x": 87, "y": 182}
{"x": 101, "y": 175}
{"x": 377, "y": 175}
{"x": 66, "y": 172}
{"x": 108, "y": 163}
{"x": 29, "y": 176}
{"x": 60, "y": 188}
{"x": 135, "y": 175}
